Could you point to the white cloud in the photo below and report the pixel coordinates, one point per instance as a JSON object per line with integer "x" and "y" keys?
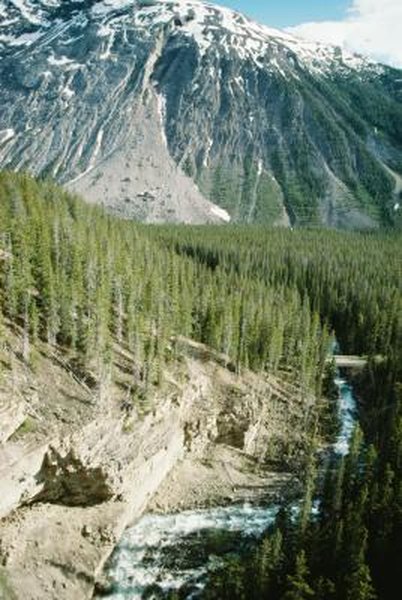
{"x": 371, "y": 27}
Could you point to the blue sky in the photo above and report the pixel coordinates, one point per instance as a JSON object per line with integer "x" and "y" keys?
{"x": 285, "y": 13}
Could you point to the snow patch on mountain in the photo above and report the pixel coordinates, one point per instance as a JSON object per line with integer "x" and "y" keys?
{"x": 60, "y": 61}
{"x": 6, "y": 135}
{"x": 161, "y": 108}
{"x": 221, "y": 213}
{"x": 26, "y": 39}
{"x": 211, "y": 27}
{"x": 27, "y": 11}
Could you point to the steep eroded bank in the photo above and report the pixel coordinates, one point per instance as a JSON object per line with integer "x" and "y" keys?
{"x": 86, "y": 462}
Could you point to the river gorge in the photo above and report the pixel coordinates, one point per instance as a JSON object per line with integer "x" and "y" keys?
{"x": 164, "y": 552}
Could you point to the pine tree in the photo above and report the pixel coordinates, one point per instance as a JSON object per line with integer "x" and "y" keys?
{"x": 359, "y": 585}
{"x": 297, "y": 584}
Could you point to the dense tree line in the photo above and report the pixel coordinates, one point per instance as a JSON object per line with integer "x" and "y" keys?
{"x": 82, "y": 281}
{"x": 349, "y": 548}
{"x": 351, "y": 280}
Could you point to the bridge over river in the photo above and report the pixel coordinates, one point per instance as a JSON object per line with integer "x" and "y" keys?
{"x": 348, "y": 361}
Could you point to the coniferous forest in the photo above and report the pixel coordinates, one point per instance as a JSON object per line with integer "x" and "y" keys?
{"x": 271, "y": 300}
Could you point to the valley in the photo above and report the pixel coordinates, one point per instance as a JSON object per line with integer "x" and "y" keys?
{"x": 170, "y": 368}
{"x": 200, "y": 305}
{"x": 176, "y": 551}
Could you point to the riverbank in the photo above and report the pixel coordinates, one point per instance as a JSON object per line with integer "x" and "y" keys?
{"x": 177, "y": 550}
{"x": 87, "y": 466}
{"x": 225, "y": 476}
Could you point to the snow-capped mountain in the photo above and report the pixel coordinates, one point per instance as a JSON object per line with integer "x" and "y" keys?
{"x": 182, "y": 110}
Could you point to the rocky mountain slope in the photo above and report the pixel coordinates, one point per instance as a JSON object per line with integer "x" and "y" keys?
{"x": 163, "y": 110}
{"x": 77, "y": 466}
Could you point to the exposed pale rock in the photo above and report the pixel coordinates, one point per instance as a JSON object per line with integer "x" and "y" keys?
{"x": 72, "y": 489}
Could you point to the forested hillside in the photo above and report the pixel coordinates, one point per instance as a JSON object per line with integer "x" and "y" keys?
{"x": 78, "y": 278}
{"x": 269, "y": 300}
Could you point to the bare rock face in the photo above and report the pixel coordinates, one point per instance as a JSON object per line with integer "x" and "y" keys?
{"x": 141, "y": 180}
{"x": 185, "y": 111}
{"x": 12, "y": 415}
{"x": 66, "y": 480}
{"x": 71, "y": 485}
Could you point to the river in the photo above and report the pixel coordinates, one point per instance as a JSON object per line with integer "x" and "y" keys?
{"x": 167, "y": 552}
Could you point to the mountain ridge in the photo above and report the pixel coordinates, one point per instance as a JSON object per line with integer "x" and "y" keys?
{"x": 185, "y": 111}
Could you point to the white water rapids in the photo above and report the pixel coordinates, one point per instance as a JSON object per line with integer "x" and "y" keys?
{"x": 347, "y": 416}
{"x": 166, "y": 552}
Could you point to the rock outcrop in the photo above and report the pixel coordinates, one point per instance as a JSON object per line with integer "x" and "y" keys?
{"x": 90, "y": 463}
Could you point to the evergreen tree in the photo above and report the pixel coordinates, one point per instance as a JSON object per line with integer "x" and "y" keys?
{"x": 297, "y": 586}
